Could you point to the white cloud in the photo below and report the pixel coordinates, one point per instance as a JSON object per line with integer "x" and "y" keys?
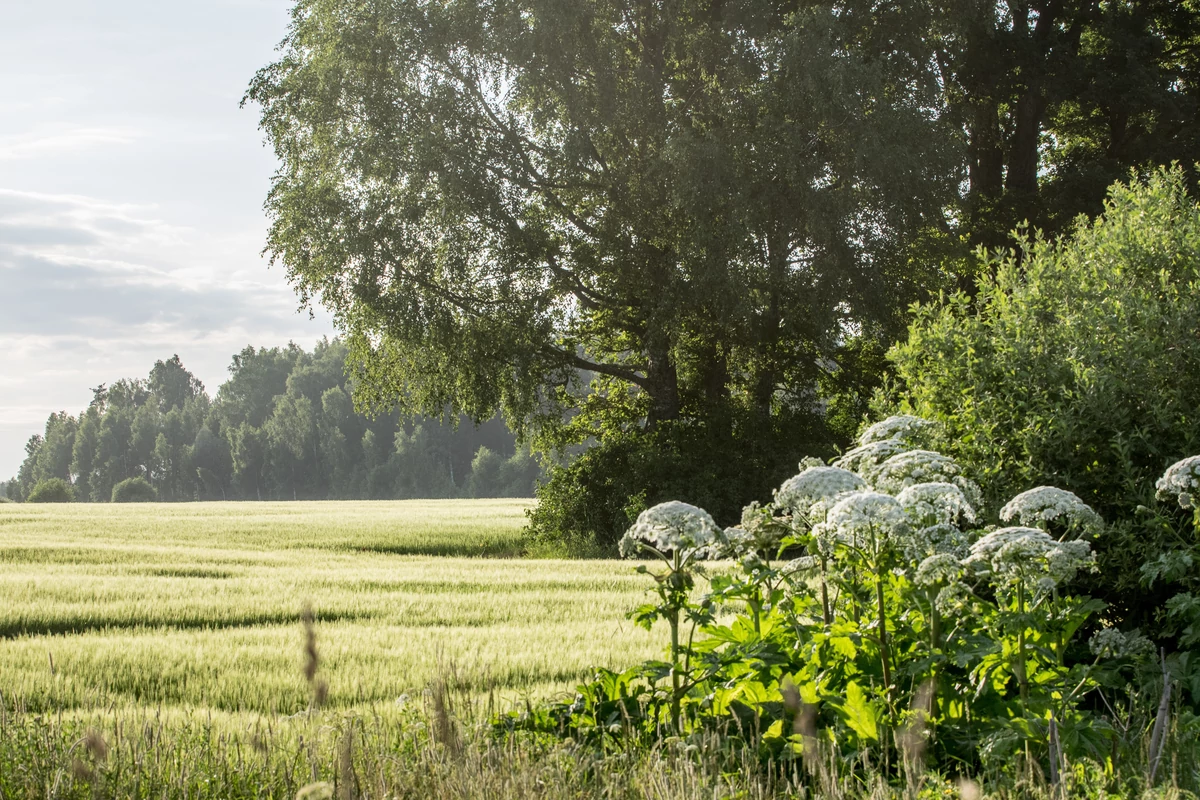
{"x": 42, "y": 144}
{"x": 131, "y": 187}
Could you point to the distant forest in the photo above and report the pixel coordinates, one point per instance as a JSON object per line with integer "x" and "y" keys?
{"x": 282, "y": 427}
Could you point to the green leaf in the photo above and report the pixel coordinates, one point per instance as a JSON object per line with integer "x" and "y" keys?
{"x": 859, "y": 713}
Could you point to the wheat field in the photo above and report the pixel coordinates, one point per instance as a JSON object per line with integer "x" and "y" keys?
{"x": 198, "y": 607}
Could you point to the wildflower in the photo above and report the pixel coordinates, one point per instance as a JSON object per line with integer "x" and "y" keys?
{"x": 952, "y": 598}
{"x": 816, "y": 485}
{"x": 1112, "y": 643}
{"x": 867, "y": 458}
{"x": 935, "y": 502}
{"x": 923, "y": 466}
{"x": 921, "y": 543}
{"x": 1017, "y": 554}
{"x": 937, "y": 569}
{"x": 1181, "y": 481}
{"x": 672, "y": 527}
{"x": 860, "y": 515}
{"x": 1049, "y": 504}
{"x": 903, "y": 427}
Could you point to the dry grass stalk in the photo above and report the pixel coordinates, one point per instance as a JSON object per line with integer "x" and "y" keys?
{"x": 320, "y": 689}
{"x": 912, "y": 737}
{"x": 347, "y": 782}
{"x": 441, "y": 711}
{"x": 1158, "y": 738}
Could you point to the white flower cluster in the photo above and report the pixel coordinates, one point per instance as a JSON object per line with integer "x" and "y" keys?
{"x": 816, "y": 486}
{"x": 935, "y": 503}
{"x": 867, "y": 458}
{"x": 1049, "y": 504}
{"x": 1018, "y": 554}
{"x": 921, "y": 543}
{"x": 860, "y": 516}
{"x": 1181, "y": 481}
{"x": 672, "y": 527}
{"x": 922, "y": 466}
{"x": 1112, "y": 643}
{"x": 938, "y": 569}
{"x": 952, "y": 599}
{"x": 903, "y": 427}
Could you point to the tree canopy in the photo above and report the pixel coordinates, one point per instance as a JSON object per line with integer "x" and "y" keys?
{"x": 282, "y": 426}
{"x": 683, "y": 231}
{"x": 691, "y": 201}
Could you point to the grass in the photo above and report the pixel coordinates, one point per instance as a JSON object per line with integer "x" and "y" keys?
{"x": 158, "y": 651}
{"x": 199, "y": 606}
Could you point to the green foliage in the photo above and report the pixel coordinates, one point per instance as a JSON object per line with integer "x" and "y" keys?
{"x": 594, "y": 498}
{"x": 1077, "y": 364}
{"x": 51, "y": 490}
{"x": 134, "y": 490}
{"x": 282, "y": 427}
{"x": 611, "y": 219}
{"x": 882, "y": 626}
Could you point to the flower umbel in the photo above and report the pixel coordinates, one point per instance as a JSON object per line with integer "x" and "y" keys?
{"x": 1047, "y": 504}
{"x": 903, "y": 427}
{"x": 816, "y": 485}
{"x": 670, "y": 527}
{"x": 1017, "y": 554}
{"x": 1181, "y": 481}
{"x": 860, "y": 516}
{"x": 921, "y": 466}
{"x": 867, "y": 458}
{"x": 935, "y": 502}
{"x": 1112, "y": 643}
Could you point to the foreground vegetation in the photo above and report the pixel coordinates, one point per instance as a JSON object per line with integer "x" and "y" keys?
{"x": 159, "y": 650}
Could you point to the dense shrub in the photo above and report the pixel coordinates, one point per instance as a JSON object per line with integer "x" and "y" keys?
{"x": 134, "y": 490}
{"x": 52, "y": 490}
{"x": 1077, "y": 364}
{"x": 871, "y": 623}
{"x": 720, "y": 465}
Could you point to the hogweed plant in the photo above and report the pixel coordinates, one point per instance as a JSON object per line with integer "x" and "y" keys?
{"x": 678, "y": 535}
{"x": 879, "y": 596}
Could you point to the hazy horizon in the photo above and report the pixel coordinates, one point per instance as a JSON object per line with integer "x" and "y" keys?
{"x": 131, "y": 190}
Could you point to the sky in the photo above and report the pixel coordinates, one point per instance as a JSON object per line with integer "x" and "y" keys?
{"x": 131, "y": 191}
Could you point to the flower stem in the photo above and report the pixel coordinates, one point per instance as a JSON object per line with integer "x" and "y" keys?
{"x": 884, "y": 648}
{"x": 1022, "y": 679}
{"x": 825, "y": 612}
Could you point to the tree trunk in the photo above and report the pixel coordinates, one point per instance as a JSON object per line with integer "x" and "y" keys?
{"x": 987, "y": 158}
{"x": 1023, "y": 150}
{"x": 662, "y": 381}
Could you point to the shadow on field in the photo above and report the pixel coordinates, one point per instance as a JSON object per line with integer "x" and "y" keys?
{"x": 13, "y": 629}
{"x": 443, "y": 549}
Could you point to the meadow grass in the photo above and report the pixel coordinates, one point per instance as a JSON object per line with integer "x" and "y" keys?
{"x": 159, "y": 651}
{"x": 199, "y": 606}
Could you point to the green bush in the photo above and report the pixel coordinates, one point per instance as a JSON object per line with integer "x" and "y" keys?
{"x": 1078, "y": 364}
{"x": 134, "y": 490}
{"x": 52, "y": 490}
{"x": 719, "y": 465}
{"x": 867, "y": 621}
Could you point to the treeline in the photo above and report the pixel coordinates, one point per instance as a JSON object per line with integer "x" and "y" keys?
{"x": 282, "y": 427}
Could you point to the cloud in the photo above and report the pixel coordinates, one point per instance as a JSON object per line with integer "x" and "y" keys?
{"x": 68, "y": 140}
{"x": 93, "y": 291}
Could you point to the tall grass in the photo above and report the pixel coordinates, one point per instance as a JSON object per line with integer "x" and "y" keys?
{"x": 155, "y": 606}
{"x": 164, "y": 652}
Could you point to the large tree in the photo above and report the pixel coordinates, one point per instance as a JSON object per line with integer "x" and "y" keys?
{"x": 696, "y": 205}
{"x": 1059, "y": 98}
